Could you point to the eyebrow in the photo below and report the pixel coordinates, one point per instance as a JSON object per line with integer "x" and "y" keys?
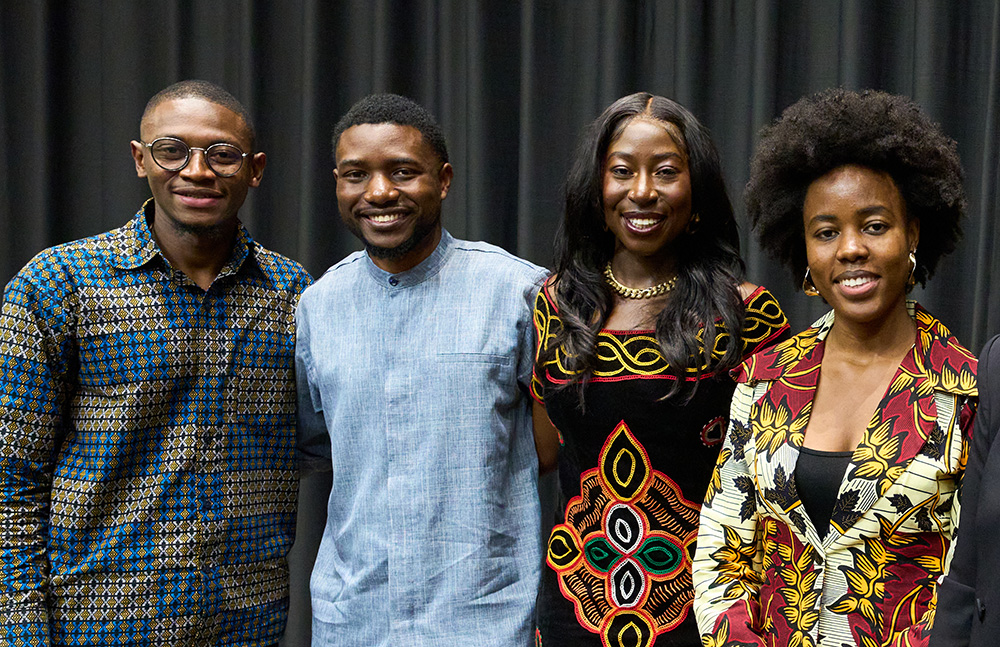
{"x": 864, "y": 211}
{"x": 221, "y": 141}
{"x": 396, "y": 161}
{"x": 658, "y": 156}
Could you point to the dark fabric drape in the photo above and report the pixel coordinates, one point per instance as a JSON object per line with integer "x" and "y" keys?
{"x": 512, "y": 83}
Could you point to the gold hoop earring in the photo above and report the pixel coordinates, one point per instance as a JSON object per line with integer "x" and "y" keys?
{"x": 808, "y": 287}
{"x": 910, "y": 282}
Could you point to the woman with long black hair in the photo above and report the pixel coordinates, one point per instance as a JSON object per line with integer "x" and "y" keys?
{"x": 637, "y": 330}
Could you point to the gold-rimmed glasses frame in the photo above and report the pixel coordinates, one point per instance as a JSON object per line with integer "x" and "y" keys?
{"x": 172, "y": 161}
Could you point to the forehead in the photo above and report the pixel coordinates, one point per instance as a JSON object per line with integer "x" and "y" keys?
{"x": 647, "y": 132}
{"x": 854, "y": 188}
{"x": 195, "y": 120}
{"x": 374, "y": 144}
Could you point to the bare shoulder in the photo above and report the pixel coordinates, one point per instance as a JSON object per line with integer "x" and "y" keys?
{"x": 551, "y": 286}
{"x": 746, "y": 289}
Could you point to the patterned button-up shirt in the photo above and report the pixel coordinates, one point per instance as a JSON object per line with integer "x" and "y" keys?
{"x": 147, "y": 466}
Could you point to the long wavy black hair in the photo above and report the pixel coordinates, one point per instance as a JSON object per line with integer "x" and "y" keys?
{"x": 709, "y": 268}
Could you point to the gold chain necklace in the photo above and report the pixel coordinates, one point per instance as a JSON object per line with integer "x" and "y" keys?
{"x": 635, "y": 293}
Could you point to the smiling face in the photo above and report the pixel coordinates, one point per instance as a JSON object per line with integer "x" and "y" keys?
{"x": 194, "y": 200}
{"x": 858, "y": 240}
{"x": 390, "y": 184}
{"x": 647, "y": 189}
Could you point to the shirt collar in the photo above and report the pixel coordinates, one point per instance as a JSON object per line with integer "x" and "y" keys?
{"x": 948, "y": 366}
{"x": 421, "y": 272}
{"x": 134, "y": 245}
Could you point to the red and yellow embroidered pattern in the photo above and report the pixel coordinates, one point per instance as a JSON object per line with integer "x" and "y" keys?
{"x": 631, "y": 354}
{"x": 623, "y": 556}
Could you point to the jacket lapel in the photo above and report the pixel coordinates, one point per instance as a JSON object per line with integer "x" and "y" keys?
{"x": 779, "y": 419}
{"x": 904, "y": 424}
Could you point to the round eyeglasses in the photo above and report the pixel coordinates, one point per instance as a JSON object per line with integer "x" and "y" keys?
{"x": 172, "y": 154}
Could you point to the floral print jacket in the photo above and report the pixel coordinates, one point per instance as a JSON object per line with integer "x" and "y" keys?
{"x": 762, "y": 576}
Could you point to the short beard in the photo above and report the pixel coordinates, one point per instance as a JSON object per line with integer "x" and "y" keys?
{"x": 217, "y": 230}
{"x": 421, "y": 230}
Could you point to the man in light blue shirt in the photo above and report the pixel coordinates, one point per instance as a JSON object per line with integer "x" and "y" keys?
{"x": 413, "y": 362}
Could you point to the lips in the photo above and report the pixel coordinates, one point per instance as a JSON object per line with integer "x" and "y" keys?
{"x": 642, "y": 222}
{"x": 198, "y": 198}
{"x": 856, "y": 283}
{"x": 383, "y": 217}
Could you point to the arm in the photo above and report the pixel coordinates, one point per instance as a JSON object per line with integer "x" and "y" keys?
{"x": 725, "y": 569}
{"x": 956, "y": 594}
{"x": 34, "y": 360}
{"x": 547, "y": 439}
{"x": 312, "y": 440}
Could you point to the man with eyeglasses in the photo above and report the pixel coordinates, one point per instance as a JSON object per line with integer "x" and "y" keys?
{"x": 147, "y": 408}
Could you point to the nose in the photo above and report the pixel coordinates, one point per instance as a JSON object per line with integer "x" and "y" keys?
{"x": 380, "y": 190}
{"x": 851, "y": 247}
{"x": 197, "y": 165}
{"x": 643, "y": 190}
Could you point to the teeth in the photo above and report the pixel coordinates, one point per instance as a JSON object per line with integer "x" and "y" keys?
{"x": 384, "y": 219}
{"x": 643, "y": 222}
{"x": 856, "y": 282}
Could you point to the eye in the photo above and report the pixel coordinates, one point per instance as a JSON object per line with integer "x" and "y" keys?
{"x": 876, "y": 228}
{"x": 225, "y": 154}
{"x": 620, "y": 172}
{"x": 352, "y": 175}
{"x": 169, "y": 150}
{"x": 404, "y": 174}
{"x": 667, "y": 172}
{"x": 825, "y": 234}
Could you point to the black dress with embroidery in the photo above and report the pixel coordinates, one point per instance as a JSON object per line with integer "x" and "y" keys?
{"x": 633, "y": 471}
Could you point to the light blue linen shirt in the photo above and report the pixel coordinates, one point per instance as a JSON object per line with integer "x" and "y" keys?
{"x": 414, "y": 387}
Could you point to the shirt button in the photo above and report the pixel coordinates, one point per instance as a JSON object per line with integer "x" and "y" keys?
{"x": 393, "y": 281}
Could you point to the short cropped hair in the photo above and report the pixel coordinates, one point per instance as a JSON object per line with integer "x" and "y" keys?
{"x": 393, "y": 109}
{"x": 877, "y": 130}
{"x": 209, "y": 92}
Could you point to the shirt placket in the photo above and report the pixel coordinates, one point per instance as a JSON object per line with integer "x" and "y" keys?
{"x": 205, "y": 418}
{"x": 397, "y": 414}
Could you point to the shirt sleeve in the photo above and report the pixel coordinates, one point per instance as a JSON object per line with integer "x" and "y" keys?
{"x": 764, "y": 322}
{"x": 527, "y": 349}
{"x": 312, "y": 439}
{"x": 919, "y": 634}
{"x": 956, "y": 594}
{"x": 542, "y": 320}
{"x": 726, "y": 567}
{"x": 36, "y": 353}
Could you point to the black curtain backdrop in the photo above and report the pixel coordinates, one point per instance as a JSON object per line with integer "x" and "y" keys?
{"x": 512, "y": 83}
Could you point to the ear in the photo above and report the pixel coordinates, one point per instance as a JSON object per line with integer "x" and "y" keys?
{"x": 336, "y": 176}
{"x": 445, "y": 176}
{"x": 257, "y": 163}
{"x": 913, "y": 233}
{"x": 138, "y": 150}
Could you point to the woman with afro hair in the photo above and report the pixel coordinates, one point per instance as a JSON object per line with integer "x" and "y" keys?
{"x": 637, "y": 332}
{"x": 833, "y": 508}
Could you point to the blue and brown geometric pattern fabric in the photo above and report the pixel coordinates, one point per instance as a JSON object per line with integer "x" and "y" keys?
{"x": 147, "y": 464}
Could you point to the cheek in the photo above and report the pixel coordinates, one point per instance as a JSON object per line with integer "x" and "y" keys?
{"x": 815, "y": 258}
{"x": 679, "y": 194}
{"x": 611, "y": 194}
{"x": 347, "y": 196}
